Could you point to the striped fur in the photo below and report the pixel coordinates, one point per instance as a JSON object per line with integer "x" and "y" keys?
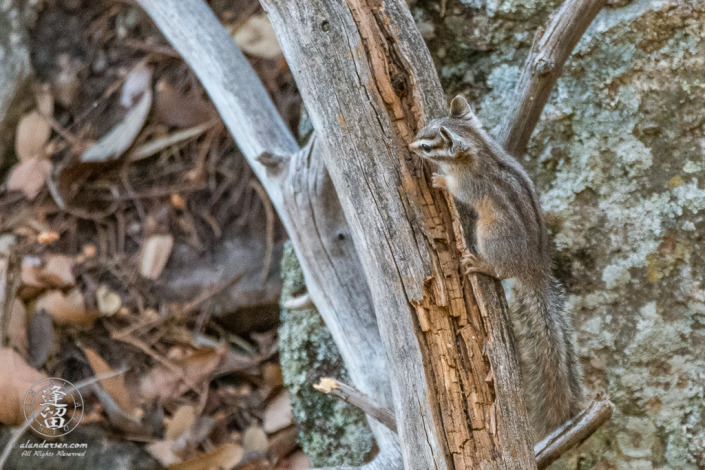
{"x": 512, "y": 239}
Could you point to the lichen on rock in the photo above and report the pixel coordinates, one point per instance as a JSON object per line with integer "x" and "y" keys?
{"x": 331, "y": 432}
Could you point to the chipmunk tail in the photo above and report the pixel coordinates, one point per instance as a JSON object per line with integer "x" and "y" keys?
{"x": 547, "y": 348}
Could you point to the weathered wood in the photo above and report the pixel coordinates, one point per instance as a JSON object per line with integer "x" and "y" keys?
{"x": 573, "y": 432}
{"x": 300, "y": 191}
{"x": 369, "y": 84}
{"x": 542, "y": 68}
{"x": 359, "y": 400}
{"x": 550, "y": 449}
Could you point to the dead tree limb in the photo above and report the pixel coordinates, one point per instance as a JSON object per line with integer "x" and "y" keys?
{"x": 550, "y": 449}
{"x": 573, "y": 432}
{"x": 543, "y": 66}
{"x": 359, "y": 400}
{"x": 300, "y": 190}
{"x": 369, "y": 84}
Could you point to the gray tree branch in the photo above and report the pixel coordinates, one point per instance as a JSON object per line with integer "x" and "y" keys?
{"x": 543, "y": 66}
{"x": 550, "y": 449}
{"x": 300, "y": 190}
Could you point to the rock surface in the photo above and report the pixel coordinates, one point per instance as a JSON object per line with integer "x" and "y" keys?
{"x": 619, "y": 159}
{"x": 331, "y": 432}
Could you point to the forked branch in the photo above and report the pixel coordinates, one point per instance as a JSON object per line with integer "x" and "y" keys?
{"x": 552, "y": 47}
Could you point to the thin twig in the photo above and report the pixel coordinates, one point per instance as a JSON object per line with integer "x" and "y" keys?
{"x": 269, "y": 213}
{"x": 573, "y": 432}
{"x": 359, "y": 400}
{"x": 542, "y": 68}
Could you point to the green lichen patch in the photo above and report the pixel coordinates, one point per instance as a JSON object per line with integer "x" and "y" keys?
{"x": 330, "y": 431}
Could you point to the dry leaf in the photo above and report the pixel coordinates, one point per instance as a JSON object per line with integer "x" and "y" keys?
{"x": 31, "y": 266}
{"x": 137, "y": 82}
{"x": 164, "y": 383}
{"x": 17, "y": 327}
{"x": 108, "y": 301}
{"x": 29, "y": 176}
{"x": 58, "y": 271}
{"x": 176, "y": 109}
{"x": 69, "y": 309}
{"x": 33, "y": 132}
{"x": 278, "y": 414}
{"x": 272, "y": 375}
{"x": 120, "y": 137}
{"x": 183, "y": 419}
{"x": 155, "y": 253}
{"x": 224, "y": 457}
{"x": 256, "y": 37}
{"x": 16, "y": 377}
{"x": 115, "y": 386}
{"x": 254, "y": 439}
{"x": 162, "y": 452}
{"x": 299, "y": 461}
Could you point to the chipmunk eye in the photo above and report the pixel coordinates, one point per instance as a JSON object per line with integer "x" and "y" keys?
{"x": 425, "y": 148}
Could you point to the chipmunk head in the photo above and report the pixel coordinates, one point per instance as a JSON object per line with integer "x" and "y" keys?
{"x": 451, "y": 138}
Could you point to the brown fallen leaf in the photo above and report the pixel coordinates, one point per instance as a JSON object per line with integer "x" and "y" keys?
{"x": 29, "y": 176}
{"x": 278, "y": 415}
{"x": 164, "y": 383}
{"x": 183, "y": 418}
{"x": 121, "y": 137}
{"x": 224, "y": 457}
{"x": 66, "y": 309}
{"x": 176, "y": 109}
{"x": 256, "y": 37}
{"x": 155, "y": 254}
{"x": 114, "y": 386}
{"x": 17, "y": 327}
{"x": 57, "y": 271}
{"x": 299, "y": 461}
{"x": 16, "y": 377}
{"x": 163, "y": 453}
{"x": 33, "y": 132}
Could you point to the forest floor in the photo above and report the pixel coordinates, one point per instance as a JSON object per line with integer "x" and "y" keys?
{"x": 121, "y": 158}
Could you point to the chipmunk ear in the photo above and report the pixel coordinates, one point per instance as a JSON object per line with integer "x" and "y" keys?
{"x": 447, "y": 135}
{"x": 459, "y": 108}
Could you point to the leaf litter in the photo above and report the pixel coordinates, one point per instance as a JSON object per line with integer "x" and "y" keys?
{"x": 121, "y": 161}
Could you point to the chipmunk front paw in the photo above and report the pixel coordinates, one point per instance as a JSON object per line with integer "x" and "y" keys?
{"x": 438, "y": 181}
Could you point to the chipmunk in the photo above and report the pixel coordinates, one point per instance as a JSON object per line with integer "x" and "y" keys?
{"x": 512, "y": 242}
